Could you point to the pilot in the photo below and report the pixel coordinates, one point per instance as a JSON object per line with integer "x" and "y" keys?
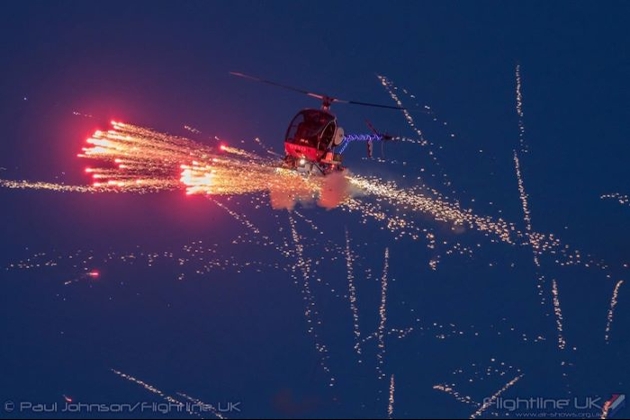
{"x": 301, "y": 131}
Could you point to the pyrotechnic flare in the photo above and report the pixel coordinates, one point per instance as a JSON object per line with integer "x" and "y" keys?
{"x": 136, "y": 159}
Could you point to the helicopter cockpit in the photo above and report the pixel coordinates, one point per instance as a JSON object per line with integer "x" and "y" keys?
{"x": 312, "y": 128}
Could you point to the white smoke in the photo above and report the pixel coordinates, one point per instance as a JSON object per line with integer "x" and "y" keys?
{"x": 335, "y": 189}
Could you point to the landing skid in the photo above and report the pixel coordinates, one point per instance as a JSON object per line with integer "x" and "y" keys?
{"x": 308, "y": 168}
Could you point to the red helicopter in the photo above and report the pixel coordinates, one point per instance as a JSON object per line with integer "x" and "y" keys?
{"x": 314, "y": 137}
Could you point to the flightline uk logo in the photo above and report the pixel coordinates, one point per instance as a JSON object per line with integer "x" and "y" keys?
{"x": 576, "y": 407}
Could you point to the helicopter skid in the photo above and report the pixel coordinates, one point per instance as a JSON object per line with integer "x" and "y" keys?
{"x": 306, "y": 167}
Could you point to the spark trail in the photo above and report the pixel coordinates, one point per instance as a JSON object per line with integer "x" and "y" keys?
{"x": 238, "y": 217}
{"x": 558, "y": 312}
{"x": 398, "y": 207}
{"x": 611, "y": 311}
{"x": 308, "y": 221}
{"x": 519, "y": 111}
{"x": 466, "y": 399}
{"x": 85, "y": 276}
{"x": 478, "y": 372}
{"x": 353, "y": 297}
{"x": 535, "y": 245}
{"x": 605, "y": 410}
{"x": 390, "y": 407}
{"x": 311, "y": 313}
{"x": 622, "y": 199}
{"x": 156, "y": 391}
{"x": 382, "y": 311}
{"x": 487, "y": 404}
{"x": 440, "y": 209}
{"x": 396, "y": 332}
{"x": 391, "y": 88}
{"x": 528, "y": 227}
{"x": 199, "y": 403}
{"x": 26, "y": 185}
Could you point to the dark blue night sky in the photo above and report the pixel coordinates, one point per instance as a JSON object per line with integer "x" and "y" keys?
{"x": 190, "y": 300}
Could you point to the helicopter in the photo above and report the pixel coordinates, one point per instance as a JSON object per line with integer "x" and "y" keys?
{"x": 314, "y": 141}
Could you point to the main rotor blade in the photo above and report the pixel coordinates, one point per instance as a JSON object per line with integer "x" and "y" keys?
{"x": 375, "y": 105}
{"x": 312, "y": 94}
{"x": 269, "y": 82}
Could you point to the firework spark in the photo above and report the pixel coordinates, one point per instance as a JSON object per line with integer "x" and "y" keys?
{"x": 353, "y": 297}
{"x": 535, "y": 245}
{"x": 528, "y": 227}
{"x": 391, "y": 88}
{"x": 197, "y": 402}
{"x": 27, "y": 185}
{"x": 479, "y": 372}
{"x": 312, "y": 314}
{"x": 85, "y": 276}
{"x": 238, "y": 217}
{"x": 466, "y": 399}
{"x": 419, "y": 202}
{"x": 519, "y": 111}
{"x": 490, "y": 401}
{"x": 390, "y": 407}
{"x": 611, "y": 311}
{"x": 558, "y": 312}
{"x": 622, "y": 199}
{"x": 382, "y": 311}
{"x": 156, "y": 391}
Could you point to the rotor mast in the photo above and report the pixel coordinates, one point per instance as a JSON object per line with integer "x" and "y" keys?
{"x": 327, "y": 102}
